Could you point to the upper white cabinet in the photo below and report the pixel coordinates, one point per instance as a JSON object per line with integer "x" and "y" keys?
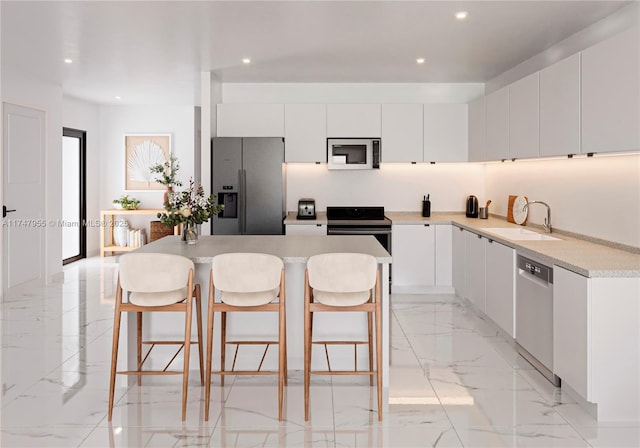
{"x": 250, "y": 120}
{"x": 446, "y": 133}
{"x": 500, "y": 283}
{"x": 477, "y": 128}
{"x": 524, "y": 113}
{"x": 497, "y": 119}
{"x": 354, "y": 120}
{"x": 560, "y": 108}
{"x": 611, "y": 94}
{"x": 305, "y": 132}
{"x": 402, "y": 132}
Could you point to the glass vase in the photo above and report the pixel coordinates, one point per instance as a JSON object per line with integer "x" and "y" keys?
{"x": 190, "y": 233}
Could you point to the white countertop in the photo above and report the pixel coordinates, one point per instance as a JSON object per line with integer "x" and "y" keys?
{"x": 579, "y": 255}
{"x": 291, "y": 248}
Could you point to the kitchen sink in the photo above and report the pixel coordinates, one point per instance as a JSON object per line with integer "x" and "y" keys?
{"x": 520, "y": 234}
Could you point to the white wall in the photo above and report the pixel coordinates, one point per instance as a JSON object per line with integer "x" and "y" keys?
{"x": 116, "y": 121}
{"x": 396, "y": 186}
{"x": 598, "y": 197}
{"x": 81, "y": 115}
{"x": 351, "y": 92}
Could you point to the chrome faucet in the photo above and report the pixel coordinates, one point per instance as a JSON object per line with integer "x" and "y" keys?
{"x": 547, "y": 221}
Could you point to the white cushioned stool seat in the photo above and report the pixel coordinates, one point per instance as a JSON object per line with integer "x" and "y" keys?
{"x": 158, "y": 298}
{"x": 249, "y": 298}
{"x": 341, "y": 298}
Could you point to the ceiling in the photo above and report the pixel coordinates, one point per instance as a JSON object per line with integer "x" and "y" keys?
{"x": 150, "y": 52}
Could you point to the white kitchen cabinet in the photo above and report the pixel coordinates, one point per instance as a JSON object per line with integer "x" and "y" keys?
{"x": 477, "y": 129}
{"x": 475, "y": 269}
{"x": 611, "y": 94}
{"x": 524, "y": 111}
{"x": 560, "y": 108}
{"x": 570, "y": 316}
{"x": 413, "y": 248}
{"x": 500, "y": 265}
{"x": 402, "y": 132}
{"x": 354, "y": 120}
{"x": 306, "y": 229}
{"x": 444, "y": 255}
{"x": 250, "y": 120}
{"x": 459, "y": 261}
{"x": 497, "y": 129}
{"x": 305, "y": 133}
{"x": 596, "y": 341}
{"x": 446, "y": 136}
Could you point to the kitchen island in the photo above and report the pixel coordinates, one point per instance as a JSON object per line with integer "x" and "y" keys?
{"x": 294, "y": 251}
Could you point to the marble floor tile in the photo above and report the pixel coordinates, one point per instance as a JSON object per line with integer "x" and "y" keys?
{"x": 455, "y": 381}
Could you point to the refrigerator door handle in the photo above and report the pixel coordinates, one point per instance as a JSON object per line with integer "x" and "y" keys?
{"x": 241, "y": 200}
{"x": 244, "y": 201}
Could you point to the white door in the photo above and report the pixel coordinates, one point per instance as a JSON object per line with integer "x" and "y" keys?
{"x": 23, "y": 254}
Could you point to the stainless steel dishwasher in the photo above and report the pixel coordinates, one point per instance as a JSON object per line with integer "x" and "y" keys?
{"x": 534, "y": 315}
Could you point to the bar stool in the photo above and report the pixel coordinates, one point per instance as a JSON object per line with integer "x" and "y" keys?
{"x": 157, "y": 282}
{"x": 343, "y": 282}
{"x": 248, "y": 282}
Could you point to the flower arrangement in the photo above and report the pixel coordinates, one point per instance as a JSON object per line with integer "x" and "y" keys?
{"x": 126, "y": 203}
{"x": 189, "y": 207}
{"x": 167, "y": 172}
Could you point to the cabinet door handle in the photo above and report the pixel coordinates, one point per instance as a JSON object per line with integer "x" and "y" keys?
{"x": 480, "y": 237}
{"x": 427, "y": 225}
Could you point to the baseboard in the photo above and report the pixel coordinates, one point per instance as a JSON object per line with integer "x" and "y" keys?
{"x": 421, "y": 289}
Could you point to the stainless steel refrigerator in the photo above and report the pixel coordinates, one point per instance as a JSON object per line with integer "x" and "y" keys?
{"x": 247, "y": 174}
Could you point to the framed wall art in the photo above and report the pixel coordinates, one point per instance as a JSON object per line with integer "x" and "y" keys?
{"x": 141, "y": 152}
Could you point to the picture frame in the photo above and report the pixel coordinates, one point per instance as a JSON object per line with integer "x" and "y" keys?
{"x": 141, "y": 152}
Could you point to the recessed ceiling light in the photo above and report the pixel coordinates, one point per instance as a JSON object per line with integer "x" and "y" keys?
{"x": 118, "y": 97}
{"x": 68, "y": 61}
{"x": 246, "y": 61}
{"x": 420, "y": 60}
{"x": 461, "y": 15}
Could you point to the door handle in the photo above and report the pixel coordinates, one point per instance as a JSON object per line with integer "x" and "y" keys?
{"x": 5, "y": 211}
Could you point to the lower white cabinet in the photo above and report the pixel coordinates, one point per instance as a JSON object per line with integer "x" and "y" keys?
{"x": 596, "y": 341}
{"x": 475, "y": 269}
{"x": 500, "y": 285}
{"x": 413, "y": 251}
{"x": 459, "y": 253}
{"x": 306, "y": 229}
{"x": 422, "y": 258}
{"x": 444, "y": 255}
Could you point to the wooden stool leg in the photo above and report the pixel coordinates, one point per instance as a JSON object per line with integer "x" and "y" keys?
{"x": 187, "y": 353}
{"x": 209, "y": 353}
{"x": 139, "y": 344}
{"x": 114, "y": 349}
{"x": 370, "y": 327}
{"x": 307, "y": 347}
{"x": 281, "y": 356}
{"x": 199, "y": 325}
{"x": 379, "y": 344}
{"x": 223, "y": 344}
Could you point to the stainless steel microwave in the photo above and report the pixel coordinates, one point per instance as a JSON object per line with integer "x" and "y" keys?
{"x": 353, "y": 153}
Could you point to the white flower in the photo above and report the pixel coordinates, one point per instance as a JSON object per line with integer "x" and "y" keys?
{"x": 185, "y": 211}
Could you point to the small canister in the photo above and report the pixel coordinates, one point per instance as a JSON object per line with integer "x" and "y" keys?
{"x": 483, "y": 213}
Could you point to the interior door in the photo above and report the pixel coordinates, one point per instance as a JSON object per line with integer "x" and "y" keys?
{"x": 24, "y": 194}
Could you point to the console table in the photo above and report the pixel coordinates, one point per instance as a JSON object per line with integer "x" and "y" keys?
{"x": 106, "y": 228}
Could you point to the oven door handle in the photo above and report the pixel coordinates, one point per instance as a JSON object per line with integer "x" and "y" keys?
{"x": 357, "y": 232}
